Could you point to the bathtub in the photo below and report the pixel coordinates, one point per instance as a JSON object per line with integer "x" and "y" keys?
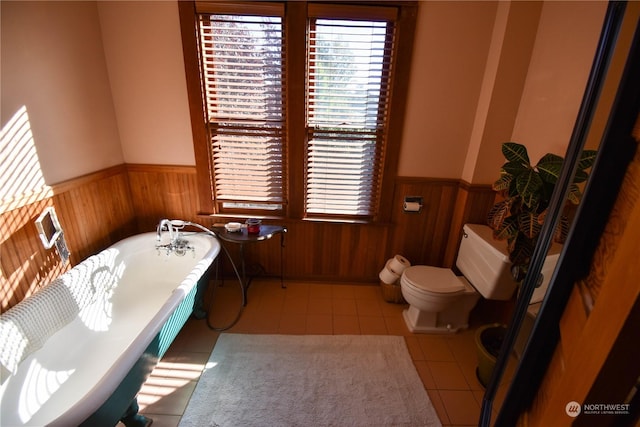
{"x": 102, "y": 326}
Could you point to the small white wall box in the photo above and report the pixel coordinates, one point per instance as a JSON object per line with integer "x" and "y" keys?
{"x": 48, "y": 227}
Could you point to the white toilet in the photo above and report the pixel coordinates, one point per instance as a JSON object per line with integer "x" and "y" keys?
{"x": 439, "y": 301}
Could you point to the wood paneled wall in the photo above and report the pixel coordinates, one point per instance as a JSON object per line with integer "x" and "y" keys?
{"x": 324, "y": 251}
{"x": 432, "y": 237}
{"x": 101, "y": 208}
{"x": 94, "y": 212}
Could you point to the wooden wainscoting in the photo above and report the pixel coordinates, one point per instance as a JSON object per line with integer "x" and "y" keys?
{"x": 432, "y": 236}
{"x": 159, "y": 192}
{"x": 320, "y": 250}
{"x": 94, "y": 211}
{"x": 101, "y": 208}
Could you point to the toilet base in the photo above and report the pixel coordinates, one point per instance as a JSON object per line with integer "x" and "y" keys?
{"x": 427, "y": 323}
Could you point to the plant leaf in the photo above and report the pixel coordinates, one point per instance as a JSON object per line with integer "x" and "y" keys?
{"x": 549, "y": 167}
{"x": 514, "y": 168}
{"x": 508, "y": 229}
{"x": 522, "y": 250}
{"x": 575, "y": 194}
{"x": 529, "y": 224}
{"x": 528, "y": 185}
{"x": 503, "y": 183}
{"x": 515, "y": 152}
{"x": 580, "y": 176}
{"x": 498, "y": 213}
{"x": 587, "y": 159}
{"x": 562, "y": 230}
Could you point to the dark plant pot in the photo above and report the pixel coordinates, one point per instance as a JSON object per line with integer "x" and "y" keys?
{"x": 489, "y": 339}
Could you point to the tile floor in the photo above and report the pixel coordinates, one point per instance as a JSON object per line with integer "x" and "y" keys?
{"x": 446, "y": 363}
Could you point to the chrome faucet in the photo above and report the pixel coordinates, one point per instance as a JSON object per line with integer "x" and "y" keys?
{"x": 177, "y": 244}
{"x": 164, "y": 223}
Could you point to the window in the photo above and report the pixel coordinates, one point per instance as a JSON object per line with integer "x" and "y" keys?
{"x": 347, "y": 88}
{"x": 253, "y": 67}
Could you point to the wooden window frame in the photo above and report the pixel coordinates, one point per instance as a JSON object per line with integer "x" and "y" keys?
{"x": 295, "y": 51}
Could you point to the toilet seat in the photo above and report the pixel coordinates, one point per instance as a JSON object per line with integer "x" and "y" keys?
{"x": 432, "y": 279}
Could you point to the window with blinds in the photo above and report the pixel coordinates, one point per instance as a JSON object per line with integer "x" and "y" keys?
{"x": 297, "y": 106}
{"x": 348, "y": 67}
{"x": 242, "y": 62}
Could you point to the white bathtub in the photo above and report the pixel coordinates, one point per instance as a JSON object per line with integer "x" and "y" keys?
{"x": 125, "y": 296}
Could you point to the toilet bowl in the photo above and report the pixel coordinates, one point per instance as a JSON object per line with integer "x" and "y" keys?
{"x": 439, "y": 301}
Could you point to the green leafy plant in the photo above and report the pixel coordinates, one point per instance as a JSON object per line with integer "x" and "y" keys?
{"x": 526, "y": 192}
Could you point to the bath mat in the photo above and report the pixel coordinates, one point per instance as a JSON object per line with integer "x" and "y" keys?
{"x": 309, "y": 380}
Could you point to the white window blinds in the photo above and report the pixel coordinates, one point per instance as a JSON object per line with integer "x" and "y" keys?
{"x": 242, "y": 66}
{"x": 348, "y": 66}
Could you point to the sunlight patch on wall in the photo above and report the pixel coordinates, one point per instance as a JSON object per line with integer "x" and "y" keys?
{"x": 21, "y": 178}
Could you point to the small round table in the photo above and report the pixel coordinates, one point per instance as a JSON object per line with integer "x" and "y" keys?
{"x": 242, "y": 237}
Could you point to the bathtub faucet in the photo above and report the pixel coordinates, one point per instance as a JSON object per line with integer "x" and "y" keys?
{"x": 164, "y": 223}
{"x": 177, "y": 244}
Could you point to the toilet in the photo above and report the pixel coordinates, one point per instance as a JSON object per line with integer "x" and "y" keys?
{"x": 439, "y": 301}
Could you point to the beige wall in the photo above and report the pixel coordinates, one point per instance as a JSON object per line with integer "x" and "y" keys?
{"x": 489, "y": 72}
{"x": 557, "y": 75}
{"x": 451, "y": 45}
{"x": 483, "y": 72}
{"x": 53, "y": 64}
{"x": 143, "y": 47}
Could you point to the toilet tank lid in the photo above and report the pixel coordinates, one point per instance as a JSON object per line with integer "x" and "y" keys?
{"x": 485, "y": 233}
{"x": 433, "y": 279}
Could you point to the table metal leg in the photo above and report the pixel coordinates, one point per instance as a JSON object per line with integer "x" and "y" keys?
{"x": 245, "y": 284}
{"x": 282, "y": 285}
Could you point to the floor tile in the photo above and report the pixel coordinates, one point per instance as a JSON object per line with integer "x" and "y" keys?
{"x": 434, "y": 347}
{"x": 448, "y": 376}
{"x": 436, "y": 400}
{"x": 319, "y": 290}
{"x": 425, "y": 374}
{"x": 461, "y": 406}
{"x": 344, "y": 307}
{"x": 372, "y": 325}
{"x": 346, "y": 325}
{"x": 320, "y": 305}
{"x": 295, "y": 324}
{"x": 319, "y": 324}
{"x": 396, "y": 326}
{"x": 368, "y": 307}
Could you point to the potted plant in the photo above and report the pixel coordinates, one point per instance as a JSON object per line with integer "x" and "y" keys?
{"x": 525, "y": 192}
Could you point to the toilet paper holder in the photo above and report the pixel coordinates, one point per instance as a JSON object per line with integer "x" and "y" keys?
{"x": 412, "y": 204}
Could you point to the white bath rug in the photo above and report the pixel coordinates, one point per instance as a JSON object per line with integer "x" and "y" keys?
{"x": 324, "y": 380}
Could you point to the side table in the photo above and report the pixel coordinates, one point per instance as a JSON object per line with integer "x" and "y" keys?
{"x": 242, "y": 237}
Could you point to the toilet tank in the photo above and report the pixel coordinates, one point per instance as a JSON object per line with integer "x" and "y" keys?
{"x": 547, "y": 271}
{"x": 484, "y": 262}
